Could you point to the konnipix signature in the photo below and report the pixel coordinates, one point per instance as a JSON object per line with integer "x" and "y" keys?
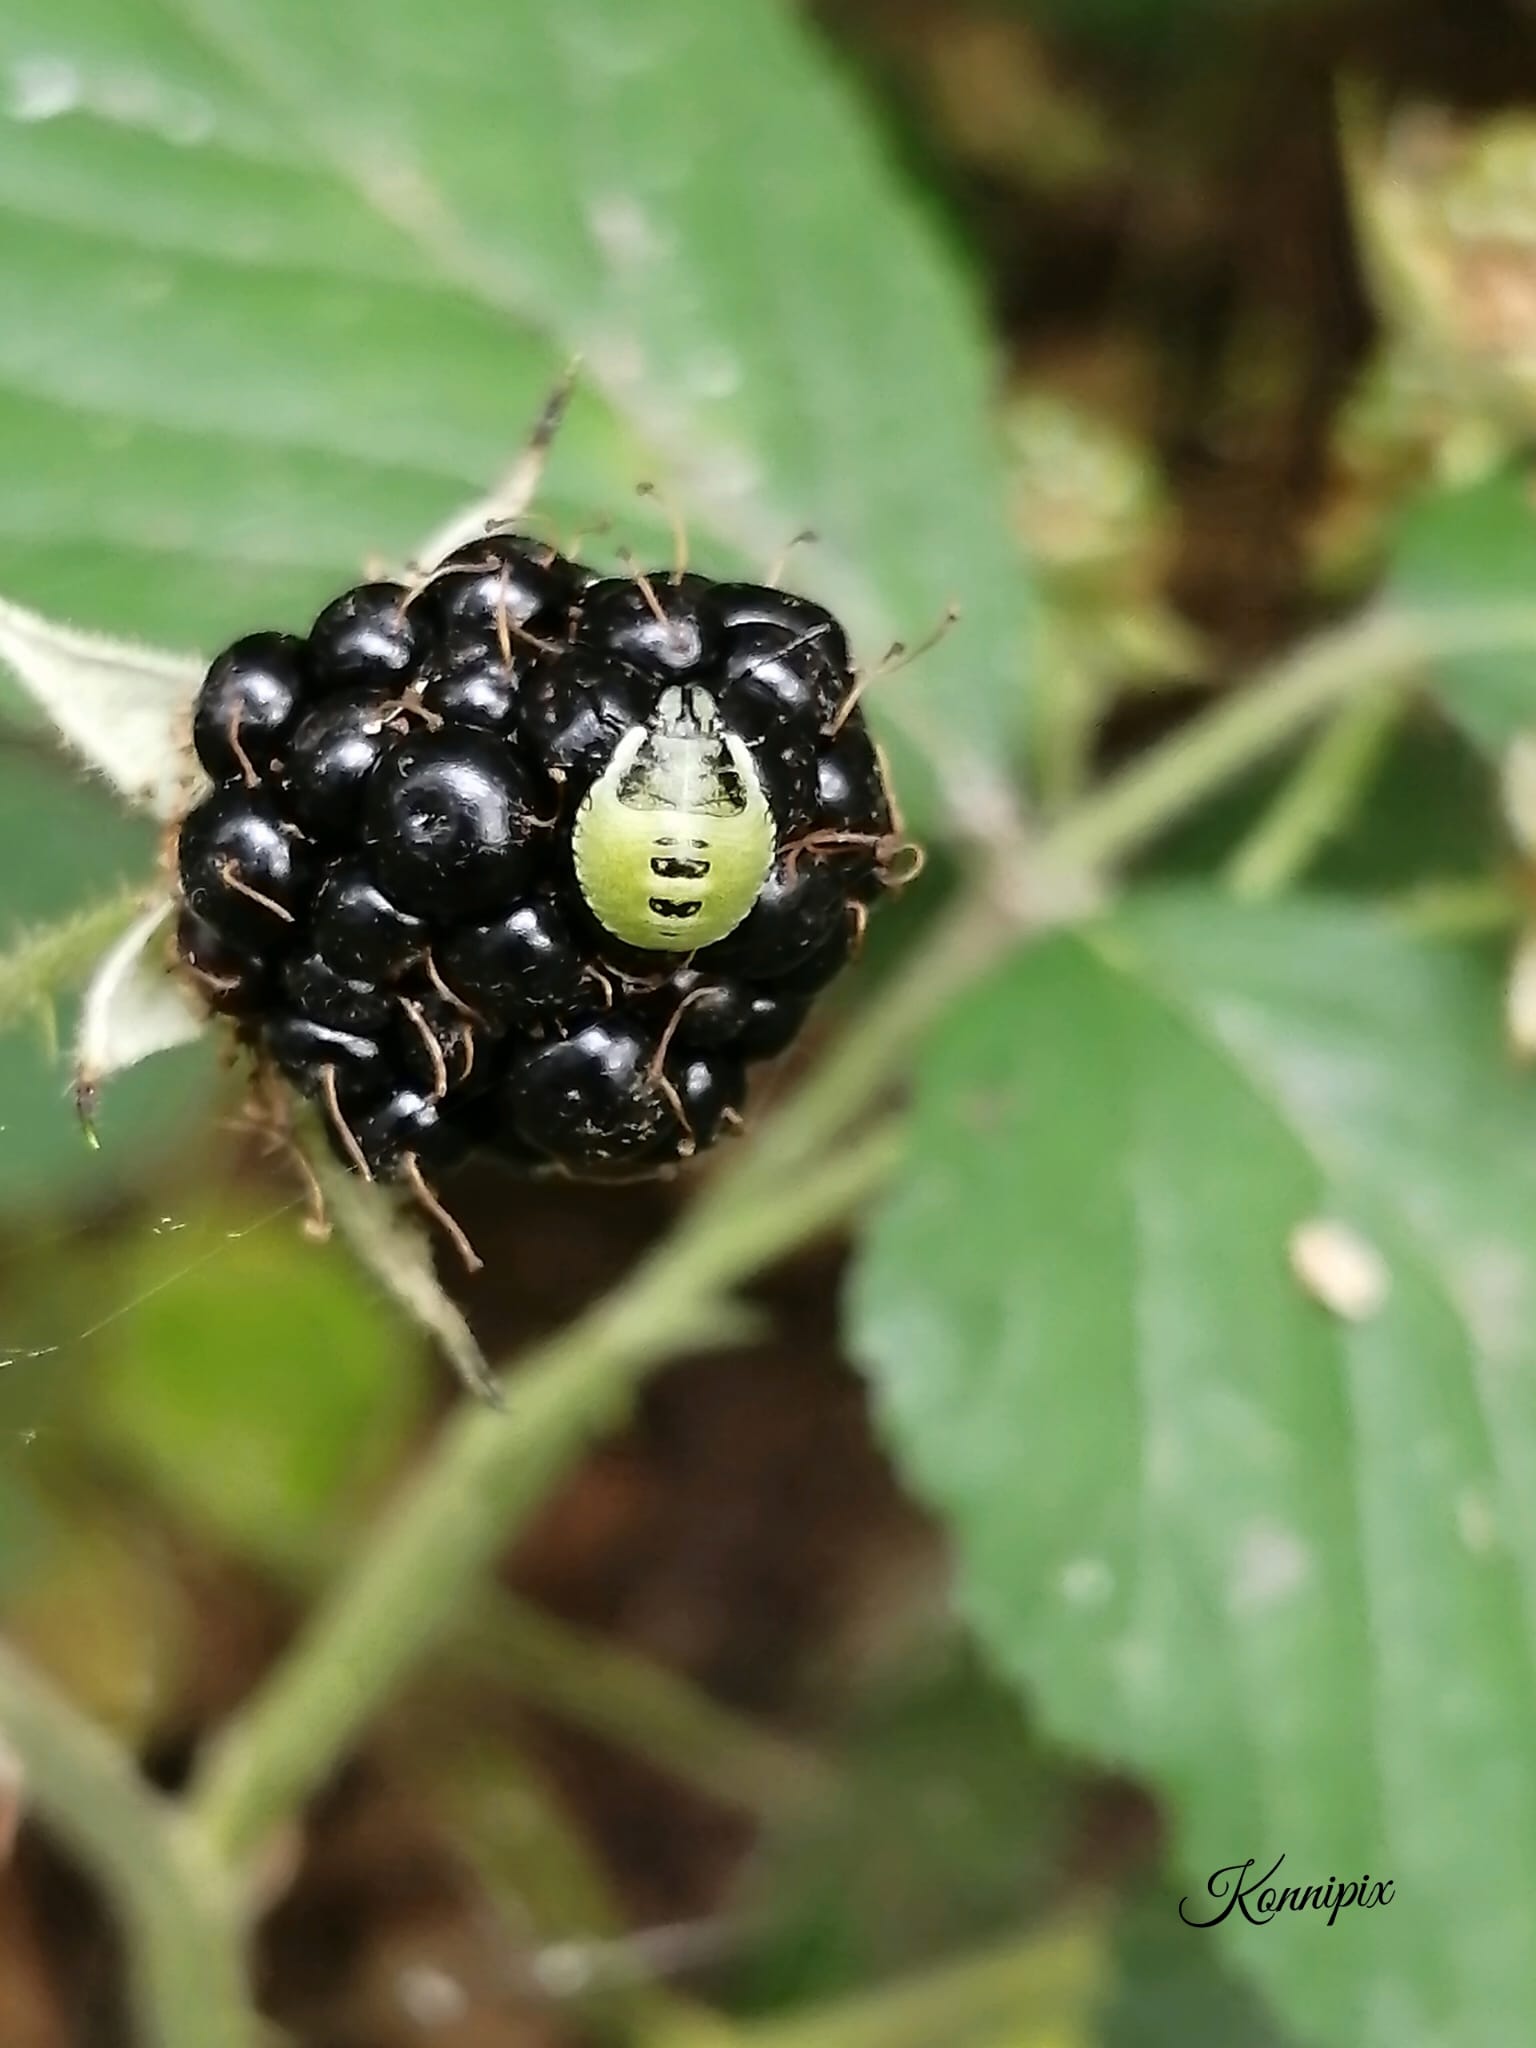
{"x": 1259, "y": 1899}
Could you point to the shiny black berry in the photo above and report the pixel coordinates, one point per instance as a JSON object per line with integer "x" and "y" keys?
{"x": 360, "y": 931}
{"x": 436, "y": 1046}
{"x": 493, "y": 585}
{"x": 851, "y": 806}
{"x": 732, "y": 607}
{"x": 367, "y": 635}
{"x": 478, "y": 690}
{"x": 704, "y": 1010}
{"x": 303, "y": 1048}
{"x": 787, "y": 768}
{"x": 658, "y": 626}
{"x": 776, "y": 678}
{"x": 773, "y": 1022}
{"x": 451, "y": 817}
{"x": 315, "y": 988}
{"x": 331, "y": 758}
{"x": 409, "y": 1123}
{"x": 825, "y": 961}
{"x": 711, "y": 1089}
{"x": 247, "y": 706}
{"x": 519, "y": 967}
{"x": 243, "y": 868}
{"x": 591, "y": 1100}
{"x": 800, "y": 906}
{"x": 576, "y": 708}
{"x": 230, "y": 979}
{"x": 850, "y": 789}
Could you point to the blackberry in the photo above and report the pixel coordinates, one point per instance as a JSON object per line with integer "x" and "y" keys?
{"x": 773, "y": 1022}
{"x": 229, "y": 979}
{"x": 850, "y": 788}
{"x": 450, "y": 818}
{"x": 798, "y": 908}
{"x": 710, "y": 1090}
{"x": 703, "y": 1010}
{"x": 528, "y": 861}
{"x": 732, "y": 607}
{"x": 306, "y": 1052}
{"x": 578, "y": 706}
{"x": 594, "y": 1099}
{"x": 359, "y": 931}
{"x": 776, "y": 678}
{"x": 316, "y": 990}
{"x": 520, "y": 967}
{"x": 405, "y": 1123}
{"x": 494, "y": 585}
{"x": 474, "y": 691}
{"x": 658, "y": 624}
{"x": 244, "y": 870}
{"x": 247, "y": 706}
{"x": 366, "y": 635}
{"x": 330, "y": 764}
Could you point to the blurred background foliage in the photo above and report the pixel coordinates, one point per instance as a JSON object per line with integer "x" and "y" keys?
{"x": 1162, "y": 334}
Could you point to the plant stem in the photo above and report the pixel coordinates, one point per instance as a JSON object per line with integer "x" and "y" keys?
{"x": 186, "y": 1958}
{"x": 640, "y": 1706}
{"x": 490, "y": 1472}
{"x": 1319, "y": 798}
{"x": 1485, "y": 906}
{"x": 1379, "y": 649}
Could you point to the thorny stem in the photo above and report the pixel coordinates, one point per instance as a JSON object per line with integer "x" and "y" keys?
{"x": 492, "y": 1469}
{"x": 188, "y": 1965}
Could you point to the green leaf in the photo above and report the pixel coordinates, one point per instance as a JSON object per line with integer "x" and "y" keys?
{"x": 258, "y": 1383}
{"x": 65, "y": 847}
{"x": 1473, "y": 547}
{"x": 295, "y": 278}
{"x": 1172, "y": 1991}
{"x": 948, "y": 1828}
{"x": 1280, "y": 1563}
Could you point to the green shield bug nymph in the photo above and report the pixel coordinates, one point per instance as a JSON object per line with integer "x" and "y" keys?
{"x": 673, "y": 842}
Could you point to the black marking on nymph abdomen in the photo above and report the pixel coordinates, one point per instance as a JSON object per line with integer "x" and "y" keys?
{"x": 665, "y": 907}
{"x": 673, "y": 868}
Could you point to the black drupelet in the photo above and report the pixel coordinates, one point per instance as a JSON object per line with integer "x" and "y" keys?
{"x": 379, "y": 890}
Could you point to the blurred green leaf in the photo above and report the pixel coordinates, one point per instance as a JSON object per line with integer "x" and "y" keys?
{"x": 1172, "y": 1991}
{"x": 100, "y": 1614}
{"x": 64, "y": 846}
{"x": 1473, "y": 546}
{"x": 257, "y": 1381}
{"x": 295, "y": 278}
{"x": 1280, "y": 1562}
{"x": 946, "y": 1827}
